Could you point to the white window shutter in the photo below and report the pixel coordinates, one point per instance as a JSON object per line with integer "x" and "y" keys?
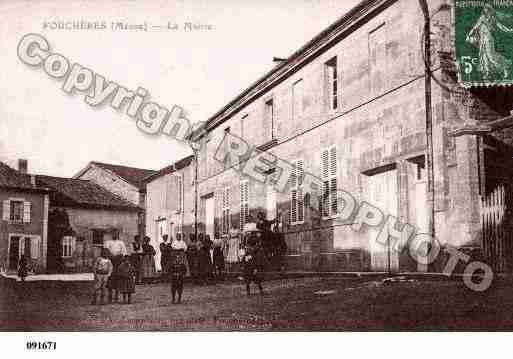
{"x": 26, "y": 212}
{"x": 6, "y": 212}
{"x": 325, "y": 163}
{"x": 35, "y": 247}
{"x": 333, "y": 161}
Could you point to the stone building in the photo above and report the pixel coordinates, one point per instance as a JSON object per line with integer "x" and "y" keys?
{"x": 349, "y": 107}
{"x": 82, "y": 216}
{"x": 126, "y": 182}
{"x": 170, "y": 202}
{"x": 24, "y": 219}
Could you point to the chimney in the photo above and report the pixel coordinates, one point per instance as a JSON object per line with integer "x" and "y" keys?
{"x": 278, "y": 60}
{"x": 22, "y": 165}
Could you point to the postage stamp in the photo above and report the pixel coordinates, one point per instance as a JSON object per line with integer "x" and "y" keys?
{"x": 484, "y": 38}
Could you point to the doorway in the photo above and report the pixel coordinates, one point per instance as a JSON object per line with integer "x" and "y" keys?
{"x": 14, "y": 252}
{"x": 382, "y": 192}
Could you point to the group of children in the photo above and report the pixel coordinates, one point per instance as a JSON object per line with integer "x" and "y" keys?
{"x": 118, "y": 276}
{"x": 115, "y": 279}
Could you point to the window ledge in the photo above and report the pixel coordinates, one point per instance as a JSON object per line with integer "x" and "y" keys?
{"x": 17, "y": 222}
{"x": 297, "y": 223}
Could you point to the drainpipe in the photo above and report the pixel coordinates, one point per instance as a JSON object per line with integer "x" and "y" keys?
{"x": 429, "y": 119}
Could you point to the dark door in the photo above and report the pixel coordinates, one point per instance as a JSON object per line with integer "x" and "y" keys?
{"x": 27, "y": 248}
{"x": 14, "y": 252}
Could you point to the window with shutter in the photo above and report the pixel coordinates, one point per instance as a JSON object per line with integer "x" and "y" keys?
{"x": 16, "y": 211}
{"x": 329, "y": 205}
{"x": 297, "y": 213}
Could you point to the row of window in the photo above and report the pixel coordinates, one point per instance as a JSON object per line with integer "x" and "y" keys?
{"x": 332, "y": 92}
{"x": 328, "y": 205}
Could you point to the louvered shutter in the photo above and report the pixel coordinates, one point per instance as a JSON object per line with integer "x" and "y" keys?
{"x": 329, "y": 172}
{"x": 325, "y": 203}
{"x": 6, "y": 211}
{"x": 296, "y": 192}
{"x": 333, "y": 180}
{"x": 300, "y": 196}
{"x": 293, "y": 206}
{"x": 26, "y": 212}
{"x": 36, "y": 247}
{"x": 180, "y": 193}
{"x": 293, "y": 194}
{"x": 244, "y": 205}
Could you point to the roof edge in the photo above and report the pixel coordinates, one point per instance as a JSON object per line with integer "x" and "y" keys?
{"x": 297, "y": 59}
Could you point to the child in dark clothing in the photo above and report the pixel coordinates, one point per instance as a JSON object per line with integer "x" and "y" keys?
{"x": 253, "y": 267}
{"x": 178, "y": 269}
{"x": 126, "y": 277}
{"x": 23, "y": 267}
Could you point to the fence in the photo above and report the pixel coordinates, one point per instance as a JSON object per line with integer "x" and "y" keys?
{"x": 495, "y": 228}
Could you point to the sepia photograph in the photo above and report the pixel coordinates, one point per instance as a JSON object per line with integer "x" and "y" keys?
{"x": 255, "y": 166}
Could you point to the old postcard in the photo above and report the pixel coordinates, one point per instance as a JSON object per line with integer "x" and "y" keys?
{"x": 240, "y": 166}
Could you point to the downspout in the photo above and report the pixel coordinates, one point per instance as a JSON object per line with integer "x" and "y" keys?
{"x": 429, "y": 120}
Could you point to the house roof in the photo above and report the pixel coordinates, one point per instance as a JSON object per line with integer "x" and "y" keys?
{"x": 184, "y": 162}
{"x": 13, "y": 179}
{"x": 72, "y": 192}
{"x": 132, "y": 175}
{"x": 319, "y": 43}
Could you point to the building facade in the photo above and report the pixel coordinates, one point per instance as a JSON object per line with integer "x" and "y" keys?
{"x": 23, "y": 222}
{"x": 126, "y": 182}
{"x": 349, "y": 107}
{"x": 82, "y": 217}
{"x": 170, "y": 203}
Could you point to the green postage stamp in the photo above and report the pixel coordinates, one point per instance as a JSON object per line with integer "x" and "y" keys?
{"x": 484, "y": 42}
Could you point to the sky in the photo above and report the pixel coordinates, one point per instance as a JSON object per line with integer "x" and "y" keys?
{"x": 200, "y": 71}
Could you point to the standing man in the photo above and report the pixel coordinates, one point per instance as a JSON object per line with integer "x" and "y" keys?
{"x": 117, "y": 250}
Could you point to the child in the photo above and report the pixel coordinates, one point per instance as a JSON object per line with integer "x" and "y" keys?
{"x": 23, "y": 267}
{"x": 126, "y": 277}
{"x": 253, "y": 264}
{"x": 178, "y": 269}
{"x": 102, "y": 271}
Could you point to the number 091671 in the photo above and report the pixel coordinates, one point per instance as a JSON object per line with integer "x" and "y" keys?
{"x": 33, "y": 345}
